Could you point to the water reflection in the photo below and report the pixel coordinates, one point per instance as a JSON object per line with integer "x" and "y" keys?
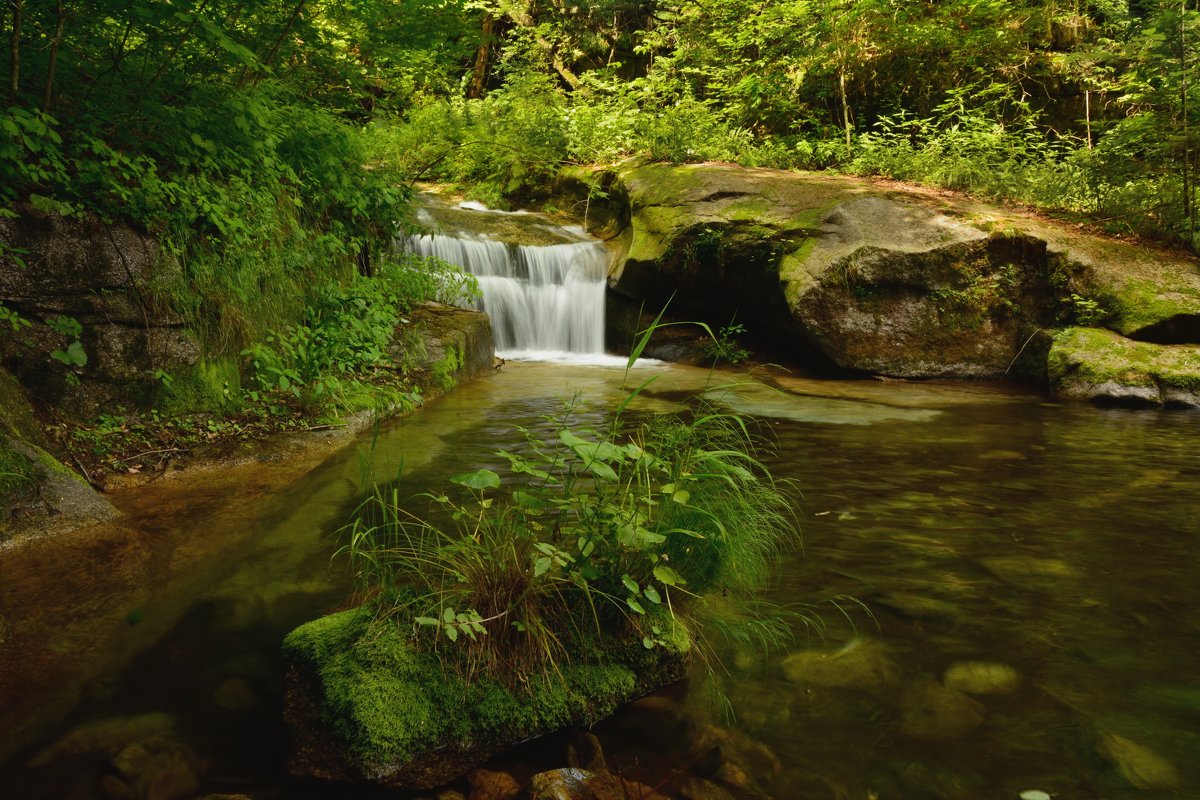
{"x": 974, "y": 526}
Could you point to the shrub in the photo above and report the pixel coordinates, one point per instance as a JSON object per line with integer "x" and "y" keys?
{"x": 347, "y": 329}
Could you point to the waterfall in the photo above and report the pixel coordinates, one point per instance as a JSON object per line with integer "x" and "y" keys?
{"x": 546, "y": 301}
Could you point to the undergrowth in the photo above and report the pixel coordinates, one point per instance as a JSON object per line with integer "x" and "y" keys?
{"x": 590, "y": 533}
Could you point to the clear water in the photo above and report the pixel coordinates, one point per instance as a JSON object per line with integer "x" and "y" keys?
{"x": 971, "y": 523}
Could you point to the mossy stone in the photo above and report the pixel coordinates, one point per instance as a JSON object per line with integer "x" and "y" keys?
{"x": 208, "y": 386}
{"x": 1105, "y": 367}
{"x": 365, "y": 706}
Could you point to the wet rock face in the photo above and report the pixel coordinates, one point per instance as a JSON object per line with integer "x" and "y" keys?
{"x": 105, "y": 276}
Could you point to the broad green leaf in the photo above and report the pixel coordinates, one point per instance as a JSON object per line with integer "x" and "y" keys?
{"x": 635, "y": 605}
{"x": 630, "y": 584}
{"x": 668, "y": 576}
{"x": 448, "y": 615}
{"x": 652, "y": 594}
{"x": 478, "y": 480}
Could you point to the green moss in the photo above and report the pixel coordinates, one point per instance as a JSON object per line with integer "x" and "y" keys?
{"x": 211, "y": 385}
{"x": 1095, "y": 356}
{"x": 387, "y": 703}
{"x": 1141, "y": 303}
{"x": 18, "y": 478}
{"x": 445, "y": 370}
{"x": 16, "y": 414}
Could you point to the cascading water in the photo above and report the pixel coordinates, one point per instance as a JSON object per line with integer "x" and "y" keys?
{"x": 546, "y": 301}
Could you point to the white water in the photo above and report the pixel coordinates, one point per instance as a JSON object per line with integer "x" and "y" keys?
{"x": 546, "y": 302}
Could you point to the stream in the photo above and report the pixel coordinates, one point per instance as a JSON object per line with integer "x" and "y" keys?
{"x": 941, "y": 523}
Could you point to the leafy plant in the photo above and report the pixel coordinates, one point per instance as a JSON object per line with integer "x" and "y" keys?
{"x": 69, "y": 327}
{"x": 724, "y": 347}
{"x": 589, "y": 531}
{"x": 348, "y": 330}
{"x": 11, "y": 319}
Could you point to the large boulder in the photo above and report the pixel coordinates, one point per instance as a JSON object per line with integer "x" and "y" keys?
{"x": 874, "y": 278}
{"x": 1105, "y": 367}
{"x": 107, "y": 277}
{"x": 37, "y": 492}
{"x": 365, "y": 707}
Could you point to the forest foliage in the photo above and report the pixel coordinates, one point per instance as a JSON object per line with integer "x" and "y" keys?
{"x": 269, "y": 142}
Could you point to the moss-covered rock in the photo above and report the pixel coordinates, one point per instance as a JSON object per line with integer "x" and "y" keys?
{"x": 840, "y": 270}
{"x": 37, "y": 492}
{"x": 1105, "y": 367}
{"x": 365, "y": 707}
{"x": 884, "y": 279}
{"x": 210, "y": 385}
{"x": 451, "y": 344}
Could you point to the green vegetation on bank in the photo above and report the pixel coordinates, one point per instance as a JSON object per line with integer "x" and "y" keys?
{"x": 235, "y": 134}
{"x": 1082, "y": 107}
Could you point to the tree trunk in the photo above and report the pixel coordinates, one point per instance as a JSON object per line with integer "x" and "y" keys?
{"x": 283, "y": 35}
{"x": 14, "y": 76}
{"x": 480, "y": 74}
{"x": 845, "y": 106}
{"x": 48, "y": 94}
{"x": 1188, "y": 208}
{"x": 1087, "y": 115}
{"x": 523, "y": 16}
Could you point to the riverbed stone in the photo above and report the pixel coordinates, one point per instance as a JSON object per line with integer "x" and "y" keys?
{"x": 235, "y": 694}
{"x": 696, "y": 788}
{"x": 1137, "y": 763}
{"x": 936, "y": 713}
{"x": 107, "y": 736}
{"x": 487, "y": 784}
{"x": 981, "y": 677}
{"x": 159, "y": 768}
{"x": 1105, "y": 367}
{"x": 365, "y": 707}
{"x": 1029, "y": 570}
{"x": 918, "y": 606}
{"x": 585, "y": 752}
{"x": 862, "y": 664}
{"x": 578, "y": 784}
{"x": 714, "y": 748}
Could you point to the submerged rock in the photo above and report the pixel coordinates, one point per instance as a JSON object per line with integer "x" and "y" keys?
{"x": 579, "y": 784}
{"x": 1028, "y": 570}
{"x": 108, "y": 736}
{"x": 861, "y": 664}
{"x": 918, "y": 606}
{"x": 364, "y": 707}
{"x": 489, "y": 784}
{"x": 981, "y": 677}
{"x": 160, "y": 768}
{"x": 584, "y": 752}
{"x": 936, "y": 713}
{"x": 1138, "y": 764}
{"x": 694, "y": 788}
